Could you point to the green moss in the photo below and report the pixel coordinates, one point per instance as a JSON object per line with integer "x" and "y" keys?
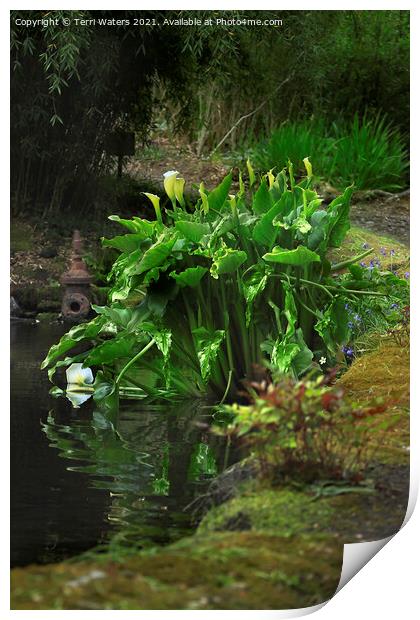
{"x": 357, "y": 238}
{"x": 284, "y": 512}
{"x": 222, "y": 571}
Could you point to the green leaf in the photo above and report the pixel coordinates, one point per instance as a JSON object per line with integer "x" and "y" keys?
{"x": 217, "y": 197}
{"x": 155, "y": 255}
{"x": 190, "y": 276}
{"x": 110, "y": 350}
{"x": 136, "y": 225}
{"x": 333, "y": 326}
{"x": 124, "y": 243}
{"x": 262, "y": 201}
{"x": 252, "y": 286}
{"x": 119, "y": 316}
{"x": 339, "y": 211}
{"x": 207, "y": 344}
{"x": 265, "y": 232}
{"x": 227, "y": 260}
{"x": 73, "y": 336}
{"x": 300, "y": 256}
{"x": 193, "y": 231}
{"x": 302, "y": 361}
{"x": 316, "y": 238}
{"x": 290, "y": 311}
{"x": 283, "y": 354}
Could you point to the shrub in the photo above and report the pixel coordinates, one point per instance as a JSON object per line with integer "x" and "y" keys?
{"x": 204, "y": 292}
{"x": 305, "y": 428}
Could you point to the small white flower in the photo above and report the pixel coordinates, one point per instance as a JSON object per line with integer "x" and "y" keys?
{"x": 323, "y": 360}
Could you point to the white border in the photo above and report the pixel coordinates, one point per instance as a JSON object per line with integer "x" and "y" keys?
{"x": 387, "y": 586}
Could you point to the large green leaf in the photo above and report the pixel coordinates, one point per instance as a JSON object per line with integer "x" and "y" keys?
{"x": 318, "y": 234}
{"x": 110, "y": 350}
{"x": 155, "y": 255}
{"x": 190, "y": 276}
{"x": 73, "y": 336}
{"x": 193, "y": 231}
{"x": 265, "y": 232}
{"x": 262, "y": 201}
{"x": 227, "y": 260}
{"x": 136, "y": 225}
{"x": 300, "y": 256}
{"x": 124, "y": 243}
{"x": 217, "y": 197}
{"x": 207, "y": 344}
{"x": 120, "y": 316}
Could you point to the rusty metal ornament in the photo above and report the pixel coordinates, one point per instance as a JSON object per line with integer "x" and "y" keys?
{"x": 76, "y": 282}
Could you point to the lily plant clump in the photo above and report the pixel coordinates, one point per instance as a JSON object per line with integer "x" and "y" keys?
{"x": 207, "y": 290}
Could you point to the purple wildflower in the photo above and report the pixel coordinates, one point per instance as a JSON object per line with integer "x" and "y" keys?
{"x": 363, "y": 264}
{"x": 392, "y": 252}
{"x": 407, "y": 275}
{"x": 365, "y": 246}
{"x": 382, "y": 251}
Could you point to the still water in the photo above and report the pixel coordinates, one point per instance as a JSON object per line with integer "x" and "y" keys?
{"x": 80, "y": 478}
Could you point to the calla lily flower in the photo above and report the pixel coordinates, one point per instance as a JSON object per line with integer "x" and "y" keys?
{"x": 169, "y": 181}
{"x": 79, "y": 384}
{"x": 155, "y": 200}
{"x": 308, "y": 167}
{"x": 204, "y": 198}
{"x": 179, "y": 191}
{"x": 251, "y": 173}
{"x": 271, "y": 178}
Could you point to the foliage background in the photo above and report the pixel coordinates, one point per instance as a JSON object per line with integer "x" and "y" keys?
{"x": 70, "y": 86}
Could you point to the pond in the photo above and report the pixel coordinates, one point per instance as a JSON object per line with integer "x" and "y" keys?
{"x": 80, "y": 479}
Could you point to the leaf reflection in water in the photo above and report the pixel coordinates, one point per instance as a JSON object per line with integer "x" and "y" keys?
{"x": 153, "y": 461}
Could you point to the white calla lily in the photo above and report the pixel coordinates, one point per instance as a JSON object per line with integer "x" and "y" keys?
{"x": 78, "y": 375}
{"x": 78, "y": 398}
{"x": 169, "y": 180}
{"x": 79, "y": 384}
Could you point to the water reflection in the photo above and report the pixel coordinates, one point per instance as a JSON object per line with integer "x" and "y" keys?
{"x": 152, "y": 461}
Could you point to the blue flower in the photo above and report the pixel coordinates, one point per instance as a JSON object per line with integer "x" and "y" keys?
{"x": 392, "y": 252}
{"x": 358, "y": 318}
{"x": 365, "y": 246}
{"x": 350, "y": 325}
{"x": 407, "y": 275}
{"x": 382, "y": 251}
{"x": 394, "y": 306}
{"x": 348, "y": 351}
{"x": 363, "y": 264}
